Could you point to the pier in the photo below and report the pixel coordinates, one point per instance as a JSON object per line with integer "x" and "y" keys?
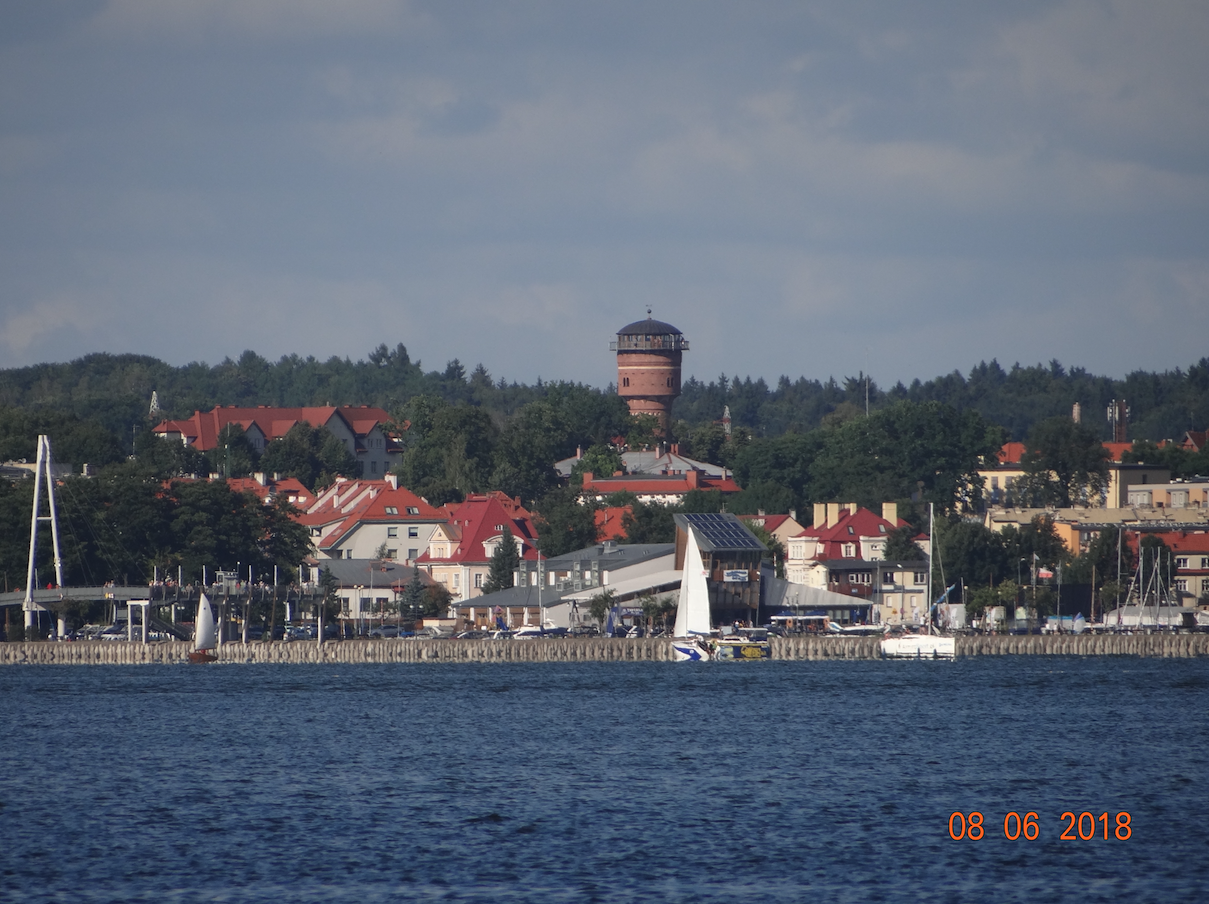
{"x": 577, "y": 649}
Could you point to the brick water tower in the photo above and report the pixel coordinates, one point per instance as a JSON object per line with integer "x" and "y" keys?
{"x": 648, "y": 367}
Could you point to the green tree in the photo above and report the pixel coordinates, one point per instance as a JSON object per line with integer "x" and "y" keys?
{"x": 1064, "y": 464}
{"x": 776, "y": 549}
{"x": 505, "y": 562}
{"x": 599, "y": 606}
{"x": 312, "y": 455}
{"x": 901, "y": 546}
{"x": 647, "y": 522}
{"x": 233, "y": 456}
{"x": 602, "y": 460}
{"x": 413, "y": 596}
{"x": 565, "y": 522}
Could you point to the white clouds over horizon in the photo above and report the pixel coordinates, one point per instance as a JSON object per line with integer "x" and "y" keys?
{"x": 815, "y": 189}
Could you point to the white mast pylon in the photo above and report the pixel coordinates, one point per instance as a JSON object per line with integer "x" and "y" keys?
{"x": 42, "y": 468}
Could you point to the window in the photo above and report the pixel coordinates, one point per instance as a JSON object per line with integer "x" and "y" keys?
{"x": 392, "y": 553}
{"x": 455, "y": 579}
{"x": 478, "y": 580}
{"x": 1181, "y": 584}
{"x": 850, "y": 530}
{"x": 1181, "y": 562}
{"x": 413, "y": 510}
{"x": 412, "y": 553}
{"x": 888, "y": 579}
{"x": 373, "y": 467}
{"x": 392, "y": 510}
{"x": 392, "y": 532}
{"x": 625, "y": 381}
{"x": 881, "y": 528}
{"x": 413, "y": 532}
{"x": 1204, "y": 561}
{"x": 348, "y": 554}
{"x": 1204, "y": 585}
{"x": 849, "y": 550}
{"x": 920, "y": 577}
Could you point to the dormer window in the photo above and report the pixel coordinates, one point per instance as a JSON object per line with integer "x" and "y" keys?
{"x": 392, "y": 510}
{"x": 413, "y": 510}
{"x": 881, "y": 528}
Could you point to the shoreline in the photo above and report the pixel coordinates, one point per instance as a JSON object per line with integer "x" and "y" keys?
{"x": 596, "y": 649}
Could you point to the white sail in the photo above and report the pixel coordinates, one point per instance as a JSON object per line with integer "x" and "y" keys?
{"x": 692, "y": 612}
{"x": 204, "y": 635}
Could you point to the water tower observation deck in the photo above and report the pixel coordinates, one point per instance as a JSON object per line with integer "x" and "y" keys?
{"x": 649, "y": 355}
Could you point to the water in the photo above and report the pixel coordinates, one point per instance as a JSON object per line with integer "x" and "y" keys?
{"x": 774, "y": 781}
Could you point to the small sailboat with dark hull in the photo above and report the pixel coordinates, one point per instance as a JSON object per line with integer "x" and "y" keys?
{"x": 205, "y": 635}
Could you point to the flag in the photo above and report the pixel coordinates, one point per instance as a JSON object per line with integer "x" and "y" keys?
{"x": 1044, "y": 573}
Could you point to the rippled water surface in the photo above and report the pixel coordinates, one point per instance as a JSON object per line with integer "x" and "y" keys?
{"x": 772, "y": 781}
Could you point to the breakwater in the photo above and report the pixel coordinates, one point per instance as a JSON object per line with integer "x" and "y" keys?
{"x": 576, "y": 649}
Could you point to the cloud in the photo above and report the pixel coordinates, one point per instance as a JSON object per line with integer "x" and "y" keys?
{"x": 204, "y": 21}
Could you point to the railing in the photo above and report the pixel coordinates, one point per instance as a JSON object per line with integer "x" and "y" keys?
{"x": 660, "y": 343}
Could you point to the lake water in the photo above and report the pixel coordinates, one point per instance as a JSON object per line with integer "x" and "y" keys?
{"x": 713, "y": 782}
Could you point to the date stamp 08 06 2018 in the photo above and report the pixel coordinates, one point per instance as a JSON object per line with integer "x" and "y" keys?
{"x": 1084, "y": 826}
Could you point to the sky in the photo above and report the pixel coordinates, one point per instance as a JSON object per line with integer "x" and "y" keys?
{"x": 900, "y": 188}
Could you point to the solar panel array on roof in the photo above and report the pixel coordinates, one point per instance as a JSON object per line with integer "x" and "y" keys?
{"x": 722, "y": 531}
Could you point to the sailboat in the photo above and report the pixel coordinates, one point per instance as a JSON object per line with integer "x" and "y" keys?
{"x": 205, "y": 637}
{"x": 692, "y": 610}
{"x": 926, "y": 645}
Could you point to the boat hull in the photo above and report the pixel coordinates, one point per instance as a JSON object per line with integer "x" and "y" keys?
{"x": 689, "y": 651}
{"x": 919, "y": 646}
{"x": 200, "y": 656}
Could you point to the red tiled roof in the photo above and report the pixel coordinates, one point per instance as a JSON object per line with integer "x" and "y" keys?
{"x": 203, "y": 428}
{"x": 480, "y": 518}
{"x": 346, "y": 504}
{"x": 608, "y": 521}
{"x": 850, "y": 528}
{"x": 1011, "y": 453}
{"x": 658, "y": 484}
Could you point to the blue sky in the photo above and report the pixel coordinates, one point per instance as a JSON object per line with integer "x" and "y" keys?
{"x": 804, "y": 188}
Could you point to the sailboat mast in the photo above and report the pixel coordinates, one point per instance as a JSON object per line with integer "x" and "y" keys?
{"x": 931, "y": 553}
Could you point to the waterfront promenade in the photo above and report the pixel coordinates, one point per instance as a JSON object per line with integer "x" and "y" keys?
{"x": 574, "y": 649}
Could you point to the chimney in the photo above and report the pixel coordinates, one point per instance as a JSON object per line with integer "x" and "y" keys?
{"x": 694, "y": 478}
{"x": 793, "y": 514}
{"x": 587, "y": 479}
{"x": 890, "y": 512}
{"x": 392, "y": 481}
{"x": 674, "y": 448}
{"x": 259, "y": 477}
{"x": 820, "y": 514}
{"x": 579, "y": 452}
{"x": 833, "y": 514}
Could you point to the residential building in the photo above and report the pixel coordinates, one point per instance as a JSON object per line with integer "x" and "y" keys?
{"x": 359, "y": 428}
{"x": 1123, "y": 478}
{"x": 460, "y": 549}
{"x": 663, "y": 459}
{"x": 1078, "y": 527}
{"x": 665, "y": 489}
{"x": 353, "y": 519}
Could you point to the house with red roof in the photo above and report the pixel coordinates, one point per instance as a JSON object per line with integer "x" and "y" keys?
{"x": 353, "y": 519}
{"x": 267, "y": 488}
{"x": 460, "y": 550}
{"x": 780, "y": 527}
{"x": 844, "y": 552}
{"x": 358, "y": 427}
{"x": 664, "y": 489}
